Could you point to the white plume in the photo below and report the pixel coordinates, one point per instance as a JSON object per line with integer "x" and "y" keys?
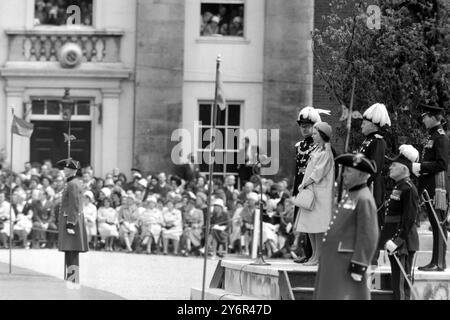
{"x": 312, "y": 114}
{"x": 409, "y": 152}
{"x": 378, "y": 114}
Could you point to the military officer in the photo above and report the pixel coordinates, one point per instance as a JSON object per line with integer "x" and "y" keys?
{"x": 374, "y": 148}
{"x": 72, "y": 230}
{"x": 432, "y": 173}
{"x": 352, "y": 236}
{"x": 399, "y": 233}
{"x": 307, "y": 117}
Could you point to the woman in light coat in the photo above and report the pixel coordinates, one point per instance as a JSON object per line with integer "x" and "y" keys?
{"x": 108, "y": 224}
{"x": 90, "y": 215}
{"x": 319, "y": 175}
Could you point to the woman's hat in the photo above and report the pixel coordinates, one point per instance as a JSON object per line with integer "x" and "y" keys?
{"x": 324, "y": 127}
{"x": 89, "y": 194}
{"x": 106, "y": 192}
{"x": 219, "y": 202}
{"x": 252, "y": 196}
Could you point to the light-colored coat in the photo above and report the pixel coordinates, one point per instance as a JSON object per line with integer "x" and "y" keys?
{"x": 320, "y": 169}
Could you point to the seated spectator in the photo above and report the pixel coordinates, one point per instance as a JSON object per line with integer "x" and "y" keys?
{"x": 128, "y": 218}
{"x": 220, "y": 226}
{"x": 90, "y": 216}
{"x": 163, "y": 187}
{"x": 201, "y": 184}
{"x": 192, "y": 227}
{"x": 108, "y": 223}
{"x": 44, "y": 226}
{"x": 151, "y": 221}
{"x": 23, "y": 223}
{"x": 4, "y": 220}
{"x": 116, "y": 198}
{"x": 236, "y": 243}
{"x": 172, "y": 228}
{"x": 248, "y": 217}
{"x": 104, "y": 193}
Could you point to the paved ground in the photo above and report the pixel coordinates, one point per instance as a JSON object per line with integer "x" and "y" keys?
{"x": 131, "y": 276}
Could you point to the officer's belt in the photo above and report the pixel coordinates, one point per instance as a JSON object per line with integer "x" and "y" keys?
{"x": 392, "y": 219}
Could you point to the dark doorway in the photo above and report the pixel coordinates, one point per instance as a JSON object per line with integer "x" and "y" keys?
{"x": 47, "y": 141}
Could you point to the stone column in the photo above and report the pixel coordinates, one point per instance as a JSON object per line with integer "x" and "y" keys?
{"x": 110, "y": 125}
{"x": 21, "y": 148}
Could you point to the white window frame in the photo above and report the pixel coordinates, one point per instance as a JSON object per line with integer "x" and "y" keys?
{"x": 58, "y": 117}
{"x": 224, "y": 173}
{"x": 224, "y": 39}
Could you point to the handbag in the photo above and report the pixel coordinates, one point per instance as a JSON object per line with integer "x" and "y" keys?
{"x": 305, "y": 199}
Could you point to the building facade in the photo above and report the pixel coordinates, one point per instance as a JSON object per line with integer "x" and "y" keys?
{"x": 148, "y": 68}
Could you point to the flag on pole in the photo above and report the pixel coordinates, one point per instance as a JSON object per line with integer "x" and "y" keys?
{"x": 220, "y": 92}
{"x": 22, "y": 127}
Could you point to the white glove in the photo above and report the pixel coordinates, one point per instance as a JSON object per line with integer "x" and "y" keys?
{"x": 356, "y": 277}
{"x": 390, "y": 246}
{"x": 416, "y": 168}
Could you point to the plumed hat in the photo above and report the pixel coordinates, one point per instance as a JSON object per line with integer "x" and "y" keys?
{"x": 310, "y": 115}
{"x": 378, "y": 115}
{"x": 408, "y": 154}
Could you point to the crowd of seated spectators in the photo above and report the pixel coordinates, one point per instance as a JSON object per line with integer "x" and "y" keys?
{"x": 54, "y": 12}
{"x": 155, "y": 213}
{"x": 222, "y": 22}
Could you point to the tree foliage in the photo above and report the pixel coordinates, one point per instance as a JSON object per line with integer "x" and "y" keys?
{"x": 402, "y": 64}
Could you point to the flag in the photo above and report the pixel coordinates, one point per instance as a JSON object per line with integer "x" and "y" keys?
{"x": 220, "y": 93}
{"x": 22, "y": 127}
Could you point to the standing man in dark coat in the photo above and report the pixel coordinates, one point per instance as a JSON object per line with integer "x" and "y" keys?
{"x": 432, "y": 173}
{"x": 72, "y": 230}
{"x": 399, "y": 234}
{"x": 352, "y": 236}
{"x": 247, "y": 157}
{"x": 307, "y": 117}
{"x": 374, "y": 148}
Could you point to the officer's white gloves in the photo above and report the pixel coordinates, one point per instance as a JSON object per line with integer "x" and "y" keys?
{"x": 416, "y": 169}
{"x": 390, "y": 246}
{"x": 356, "y": 277}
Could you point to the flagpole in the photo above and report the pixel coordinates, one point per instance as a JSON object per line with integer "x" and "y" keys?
{"x": 211, "y": 166}
{"x": 10, "y": 199}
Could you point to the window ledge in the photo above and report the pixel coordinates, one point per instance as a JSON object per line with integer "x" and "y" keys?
{"x": 65, "y": 30}
{"x": 223, "y": 40}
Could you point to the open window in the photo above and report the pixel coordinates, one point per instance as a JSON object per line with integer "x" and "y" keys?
{"x": 222, "y": 19}
{"x": 63, "y": 12}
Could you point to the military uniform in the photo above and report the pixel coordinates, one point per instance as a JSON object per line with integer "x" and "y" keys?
{"x": 348, "y": 247}
{"x": 400, "y": 227}
{"x": 374, "y": 148}
{"x": 303, "y": 150}
{"x": 434, "y": 160}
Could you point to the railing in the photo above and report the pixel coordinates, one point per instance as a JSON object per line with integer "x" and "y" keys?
{"x": 44, "y": 44}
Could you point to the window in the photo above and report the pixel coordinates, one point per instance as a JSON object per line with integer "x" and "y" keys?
{"x": 54, "y": 12}
{"x": 52, "y": 107}
{"x": 228, "y": 123}
{"x": 222, "y": 19}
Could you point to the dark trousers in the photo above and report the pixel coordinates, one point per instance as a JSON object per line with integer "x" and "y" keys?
{"x": 439, "y": 247}
{"x": 380, "y": 216}
{"x": 400, "y": 286}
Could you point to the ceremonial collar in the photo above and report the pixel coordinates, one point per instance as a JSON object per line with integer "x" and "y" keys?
{"x": 372, "y": 134}
{"x": 402, "y": 181}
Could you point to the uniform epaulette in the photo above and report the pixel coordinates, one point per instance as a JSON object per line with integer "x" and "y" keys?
{"x": 441, "y": 131}
{"x": 297, "y": 144}
{"x": 378, "y": 136}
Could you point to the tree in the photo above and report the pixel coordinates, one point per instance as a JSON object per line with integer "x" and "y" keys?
{"x": 402, "y": 64}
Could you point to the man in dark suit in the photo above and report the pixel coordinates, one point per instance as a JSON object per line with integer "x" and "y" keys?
{"x": 374, "y": 148}
{"x": 399, "y": 235}
{"x": 189, "y": 171}
{"x": 247, "y": 158}
{"x": 72, "y": 230}
{"x": 432, "y": 173}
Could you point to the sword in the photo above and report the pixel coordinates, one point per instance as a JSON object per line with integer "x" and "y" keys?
{"x": 426, "y": 198}
{"x": 413, "y": 289}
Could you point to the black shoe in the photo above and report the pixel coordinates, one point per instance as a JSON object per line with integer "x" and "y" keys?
{"x": 301, "y": 260}
{"x": 431, "y": 267}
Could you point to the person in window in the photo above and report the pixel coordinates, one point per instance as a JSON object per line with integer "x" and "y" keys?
{"x": 212, "y": 28}
{"x": 236, "y": 27}
{"x": 205, "y": 18}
